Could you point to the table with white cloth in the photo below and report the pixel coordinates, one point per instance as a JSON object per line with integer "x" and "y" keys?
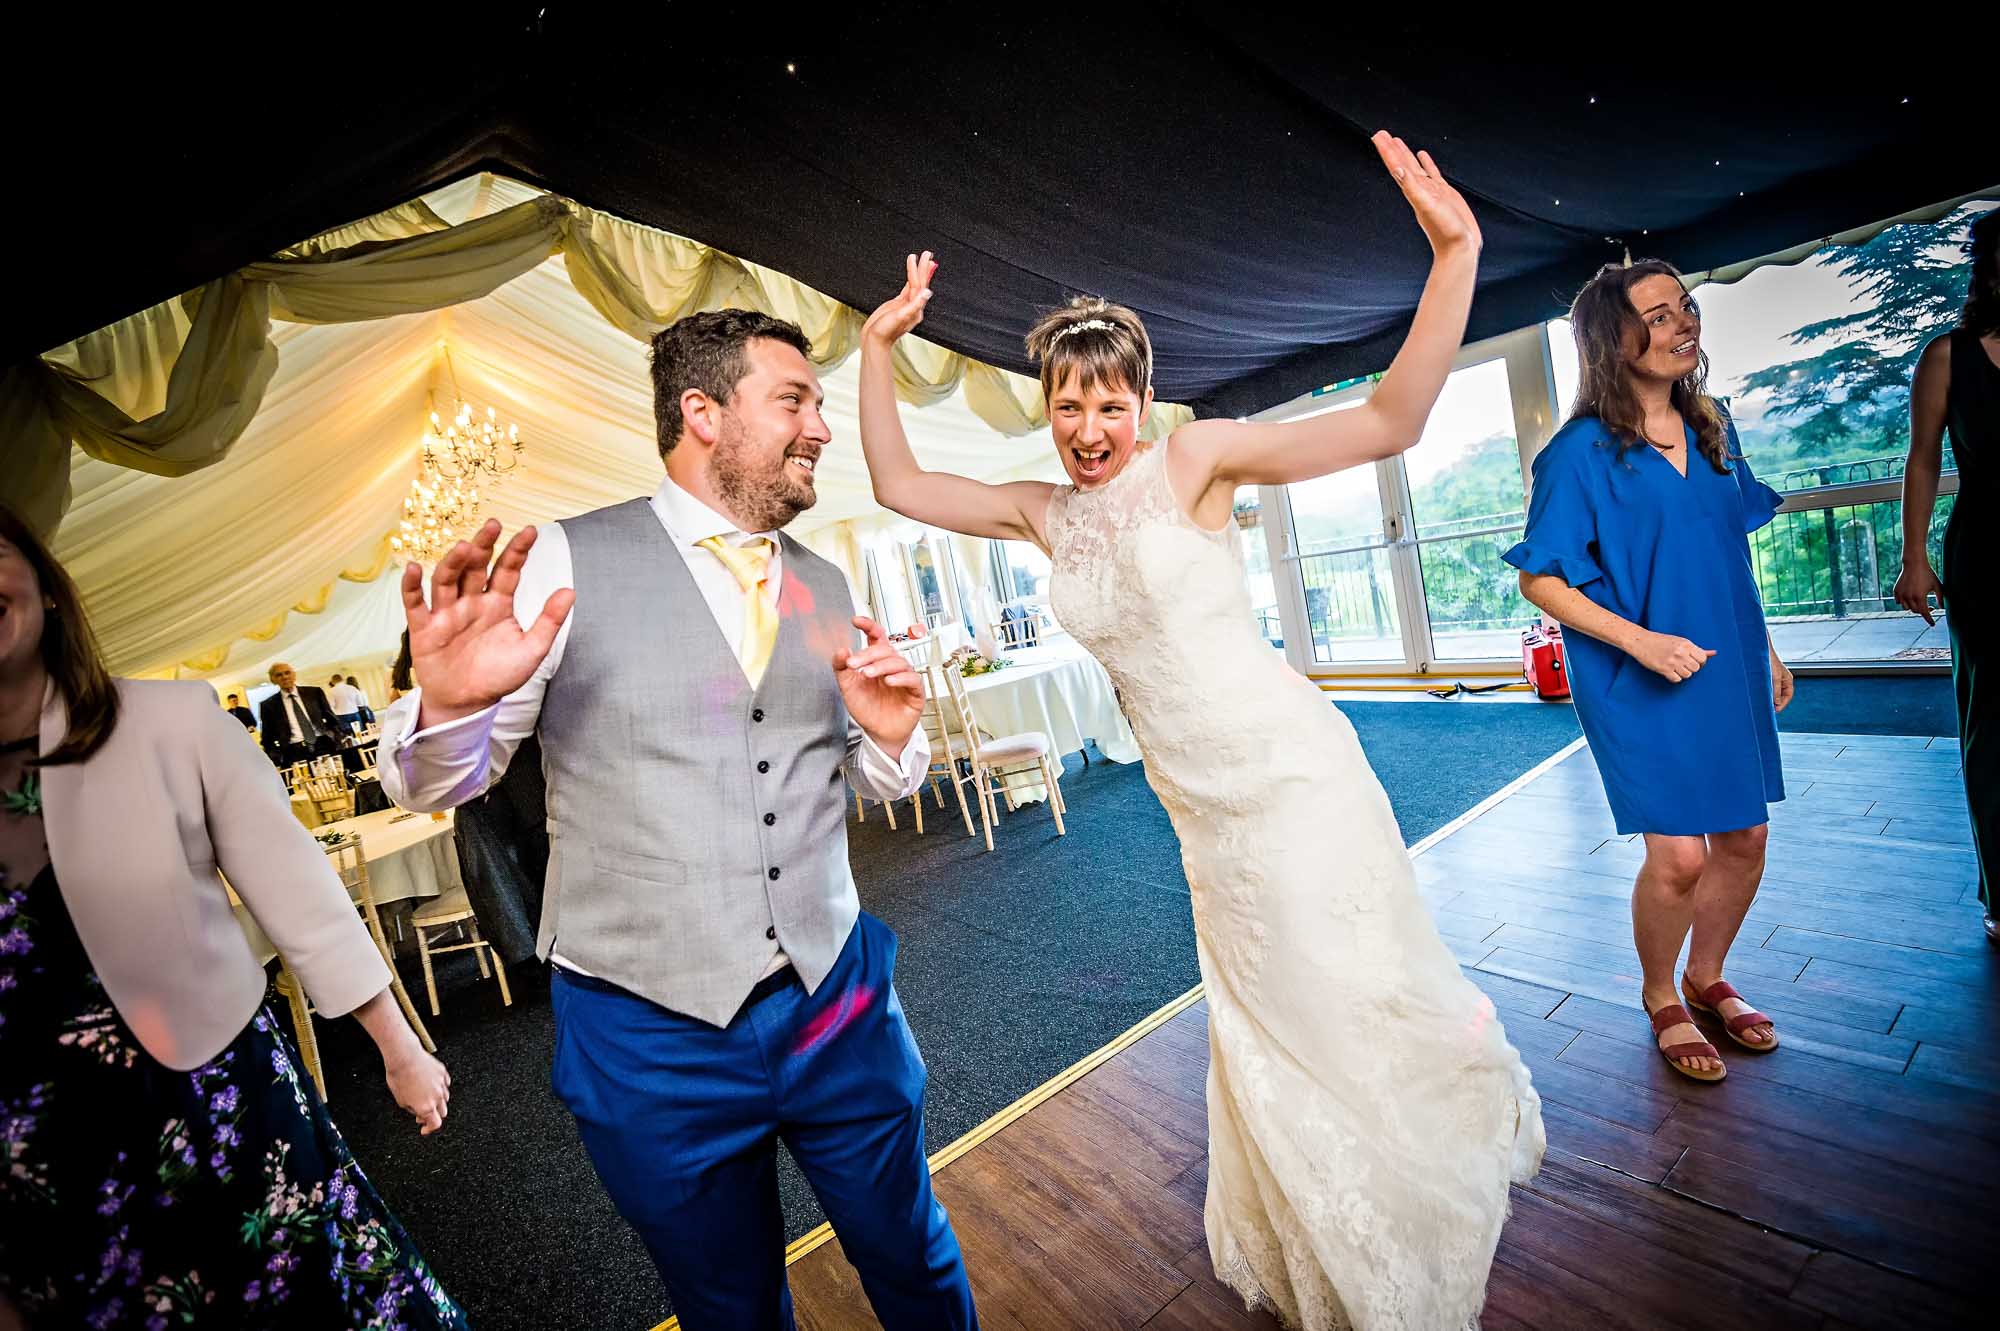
{"x": 1056, "y": 689}
{"x": 409, "y": 856}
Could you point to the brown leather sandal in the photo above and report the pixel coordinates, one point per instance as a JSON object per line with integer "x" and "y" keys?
{"x": 1673, "y": 1014}
{"x": 1710, "y": 1000}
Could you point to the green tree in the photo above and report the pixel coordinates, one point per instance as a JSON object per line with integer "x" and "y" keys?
{"x": 1908, "y": 284}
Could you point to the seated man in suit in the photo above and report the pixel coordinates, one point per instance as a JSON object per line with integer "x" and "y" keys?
{"x": 296, "y": 723}
{"x": 241, "y": 713}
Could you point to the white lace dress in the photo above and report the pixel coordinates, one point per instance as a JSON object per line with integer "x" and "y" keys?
{"x": 1365, "y": 1111}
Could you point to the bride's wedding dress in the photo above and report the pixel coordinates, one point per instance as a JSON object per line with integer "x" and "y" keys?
{"x": 1365, "y": 1111}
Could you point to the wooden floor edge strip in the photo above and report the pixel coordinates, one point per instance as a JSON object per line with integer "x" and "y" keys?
{"x": 1497, "y": 796}
{"x": 1076, "y": 1071}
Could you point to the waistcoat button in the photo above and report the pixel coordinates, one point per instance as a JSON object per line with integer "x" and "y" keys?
{"x": 757, "y": 715}
{"x": 763, "y": 767}
{"x": 770, "y": 818}
{"x": 774, "y": 874}
{"x": 771, "y": 932}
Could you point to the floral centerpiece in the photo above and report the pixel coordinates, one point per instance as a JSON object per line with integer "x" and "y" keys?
{"x": 969, "y": 662}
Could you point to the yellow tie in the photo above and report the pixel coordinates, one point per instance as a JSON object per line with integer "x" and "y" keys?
{"x": 750, "y": 563}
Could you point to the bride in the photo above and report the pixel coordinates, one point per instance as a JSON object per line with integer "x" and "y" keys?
{"x": 1365, "y": 1110}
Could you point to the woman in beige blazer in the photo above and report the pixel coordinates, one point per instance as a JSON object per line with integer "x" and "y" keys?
{"x": 162, "y": 1159}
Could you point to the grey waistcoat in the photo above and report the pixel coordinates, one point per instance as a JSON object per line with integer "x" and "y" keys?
{"x": 695, "y": 825}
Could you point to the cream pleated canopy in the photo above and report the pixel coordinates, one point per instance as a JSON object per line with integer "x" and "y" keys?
{"x": 209, "y": 559}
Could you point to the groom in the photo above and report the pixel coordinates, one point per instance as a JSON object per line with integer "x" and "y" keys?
{"x": 716, "y": 986}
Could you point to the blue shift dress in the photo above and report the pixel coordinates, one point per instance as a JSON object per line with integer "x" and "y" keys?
{"x": 1671, "y": 553}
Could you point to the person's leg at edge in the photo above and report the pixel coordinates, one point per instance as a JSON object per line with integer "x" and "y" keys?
{"x": 852, "y": 1087}
{"x": 1722, "y": 898}
{"x": 1663, "y": 907}
{"x": 694, "y": 1174}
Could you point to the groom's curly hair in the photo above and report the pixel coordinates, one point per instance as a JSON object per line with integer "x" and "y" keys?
{"x": 705, "y": 351}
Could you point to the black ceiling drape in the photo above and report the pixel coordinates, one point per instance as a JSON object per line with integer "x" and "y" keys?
{"x": 1208, "y": 166}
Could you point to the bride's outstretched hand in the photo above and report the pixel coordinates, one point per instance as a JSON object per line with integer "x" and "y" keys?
{"x": 1441, "y": 210}
{"x": 904, "y": 310}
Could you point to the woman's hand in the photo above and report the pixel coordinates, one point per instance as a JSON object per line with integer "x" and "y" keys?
{"x": 904, "y": 310}
{"x": 1665, "y": 655}
{"x": 420, "y": 1085}
{"x": 1441, "y": 210}
{"x": 1781, "y": 682}
{"x": 1915, "y": 586}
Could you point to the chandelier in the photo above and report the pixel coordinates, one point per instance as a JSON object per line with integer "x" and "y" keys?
{"x": 435, "y": 511}
{"x": 443, "y": 502}
{"x": 468, "y": 448}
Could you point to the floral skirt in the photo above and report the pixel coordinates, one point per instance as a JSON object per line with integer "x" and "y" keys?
{"x": 136, "y": 1196}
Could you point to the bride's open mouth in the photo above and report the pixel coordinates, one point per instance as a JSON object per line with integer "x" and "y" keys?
{"x": 1091, "y": 464}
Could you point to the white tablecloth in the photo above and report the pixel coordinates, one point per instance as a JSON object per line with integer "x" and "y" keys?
{"x": 1059, "y": 690}
{"x": 1056, "y": 689}
{"x": 409, "y": 856}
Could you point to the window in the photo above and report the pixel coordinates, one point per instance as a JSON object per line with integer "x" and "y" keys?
{"x": 1027, "y": 573}
{"x": 1249, "y": 515}
{"x": 1466, "y": 508}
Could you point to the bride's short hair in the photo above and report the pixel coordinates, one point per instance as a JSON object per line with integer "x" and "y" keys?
{"x": 1102, "y": 344}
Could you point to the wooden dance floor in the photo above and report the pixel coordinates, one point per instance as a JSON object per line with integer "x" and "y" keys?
{"x": 1845, "y": 1180}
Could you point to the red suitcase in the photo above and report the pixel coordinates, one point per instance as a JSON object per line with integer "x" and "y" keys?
{"x": 1542, "y": 661}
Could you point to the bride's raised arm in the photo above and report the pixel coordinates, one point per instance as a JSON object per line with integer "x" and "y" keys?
{"x": 1233, "y": 453}
{"x": 939, "y": 498}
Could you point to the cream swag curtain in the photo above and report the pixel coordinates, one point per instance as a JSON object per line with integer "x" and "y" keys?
{"x": 169, "y": 390}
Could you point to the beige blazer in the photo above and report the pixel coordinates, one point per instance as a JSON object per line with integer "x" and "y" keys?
{"x": 140, "y": 835}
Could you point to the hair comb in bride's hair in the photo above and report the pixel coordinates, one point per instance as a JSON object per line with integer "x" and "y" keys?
{"x": 1079, "y": 327}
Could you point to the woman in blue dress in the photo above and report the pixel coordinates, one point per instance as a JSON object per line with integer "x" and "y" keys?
{"x": 1637, "y": 540}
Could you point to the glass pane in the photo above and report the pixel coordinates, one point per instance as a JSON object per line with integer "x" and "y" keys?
{"x": 894, "y": 582}
{"x": 1249, "y": 515}
{"x": 1828, "y": 579}
{"x": 1337, "y": 512}
{"x": 1475, "y": 603}
{"x": 1466, "y": 499}
{"x": 930, "y": 587}
{"x": 1816, "y": 358}
{"x": 1028, "y": 578}
{"x": 1350, "y": 594}
{"x": 1562, "y": 366}
{"x": 1351, "y": 606}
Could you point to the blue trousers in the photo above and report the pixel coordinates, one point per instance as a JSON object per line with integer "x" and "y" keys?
{"x": 682, "y": 1122}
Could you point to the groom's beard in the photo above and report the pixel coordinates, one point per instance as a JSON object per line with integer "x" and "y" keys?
{"x": 763, "y": 493}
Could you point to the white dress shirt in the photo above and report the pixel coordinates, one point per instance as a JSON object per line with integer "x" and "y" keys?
{"x": 344, "y": 698}
{"x": 446, "y": 765}
{"x": 293, "y": 705}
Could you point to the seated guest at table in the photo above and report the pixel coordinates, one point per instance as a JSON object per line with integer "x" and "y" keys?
{"x": 126, "y": 800}
{"x": 241, "y": 713}
{"x": 346, "y": 701}
{"x": 296, "y": 722}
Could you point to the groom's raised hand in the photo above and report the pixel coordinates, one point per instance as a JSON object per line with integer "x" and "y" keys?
{"x": 466, "y": 648}
{"x": 884, "y": 694}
